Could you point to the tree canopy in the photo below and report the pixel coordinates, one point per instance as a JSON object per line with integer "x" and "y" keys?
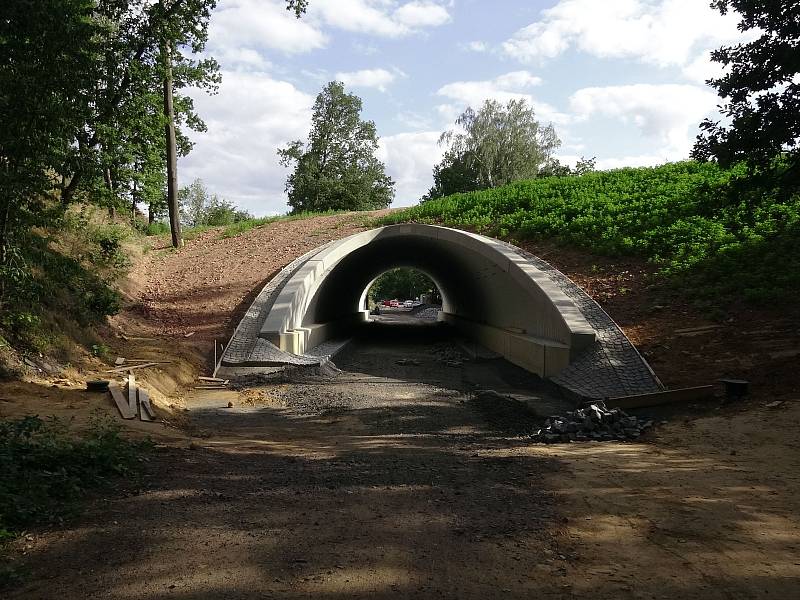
{"x": 403, "y": 283}
{"x": 337, "y": 169}
{"x": 493, "y": 146}
{"x": 761, "y": 90}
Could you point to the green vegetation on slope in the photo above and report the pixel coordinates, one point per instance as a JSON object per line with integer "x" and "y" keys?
{"x": 44, "y": 467}
{"x": 698, "y": 222}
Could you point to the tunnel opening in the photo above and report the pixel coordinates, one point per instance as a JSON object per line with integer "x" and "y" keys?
{"x": 402, "y": 295}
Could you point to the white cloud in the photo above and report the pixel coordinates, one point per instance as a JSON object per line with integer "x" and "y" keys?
{"x": 422, "y": 14}
{"x": 379, "y": 17}
{"x": 665, "y": 113}
{"x": 476, "y": 46}
{"x": 251, "y": 117}
{"x": 260, "y": 24}
{"x": 369, "y": 78}
{"x": 659, "y": 32}
{"x": 409, "y": 159}
{"x": 510, "y": 86}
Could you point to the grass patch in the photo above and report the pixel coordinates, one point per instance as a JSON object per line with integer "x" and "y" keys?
{"x": 190, "y": 233}
{"x": 706, "y": 227}
{"x": 45, "y": 467}
{"x": 246, "y": 225}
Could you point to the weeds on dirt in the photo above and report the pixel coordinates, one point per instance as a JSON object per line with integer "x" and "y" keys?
{"x": 45, "y": 467}
{"x": 59, "y": 275}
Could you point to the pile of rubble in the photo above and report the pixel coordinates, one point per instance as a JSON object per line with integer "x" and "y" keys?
{"x": 593, "y": 423}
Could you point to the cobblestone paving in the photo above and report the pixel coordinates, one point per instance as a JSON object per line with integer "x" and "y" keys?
{"x": 246, "y": 348}
{"x": 610, "y": 367}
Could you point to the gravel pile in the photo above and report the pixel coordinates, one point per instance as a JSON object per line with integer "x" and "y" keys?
{"x": 593, "y": 423}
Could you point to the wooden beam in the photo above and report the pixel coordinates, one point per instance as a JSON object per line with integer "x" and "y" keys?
{"x": 132, "y": 367}
{"x": 122, "y": 403}
{"x": 145, "y": 410}
{"x": 691, "y": 394}
{"x": 132, "y": 394}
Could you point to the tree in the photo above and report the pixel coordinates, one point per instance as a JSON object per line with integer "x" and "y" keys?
{"x": 198, "y": 207}
{"x": 337, "y": 168}
{"x": 762, "y": 93}
{"x": 402, "y": 283}
{"x": 48, "y": 49}
{"x": 457, "y": 173}
{"x": 194, "y": 202}
{"x": 496, "y": 145}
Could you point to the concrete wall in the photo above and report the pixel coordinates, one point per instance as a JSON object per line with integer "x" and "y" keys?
{"x": 490, "y": 292}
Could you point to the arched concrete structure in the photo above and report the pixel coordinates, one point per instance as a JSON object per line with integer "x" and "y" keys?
{"x": 489, "y": 291}
{"x": 493, "y": 292}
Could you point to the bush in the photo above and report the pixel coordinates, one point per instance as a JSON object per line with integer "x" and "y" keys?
{"x": 157, "y": 228}
{"x": 44, "y": 467}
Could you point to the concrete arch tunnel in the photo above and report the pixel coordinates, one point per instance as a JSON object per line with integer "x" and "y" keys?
{"x": 505, "y": 299}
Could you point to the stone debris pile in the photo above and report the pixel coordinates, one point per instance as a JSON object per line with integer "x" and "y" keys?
{"x": 593, "y": 423}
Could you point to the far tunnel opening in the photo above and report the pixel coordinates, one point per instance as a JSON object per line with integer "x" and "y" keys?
{"x": 402, "y": 295}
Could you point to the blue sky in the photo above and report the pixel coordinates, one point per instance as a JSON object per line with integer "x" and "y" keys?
{"x": 621, "y": 80}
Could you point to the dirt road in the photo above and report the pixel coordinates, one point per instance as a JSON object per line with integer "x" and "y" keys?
{"x": 391, "y": 480}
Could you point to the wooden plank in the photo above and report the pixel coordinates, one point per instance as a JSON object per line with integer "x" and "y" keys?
{"x": 145, "y": 410}
{"x": 132, "y": 394}
{"x": 210, "y": 387}
{"x": 190, "y": 334}
{"x": 122, "y": 403}
{"x": 132, "y": 367}
{"x": 217, "y": 379}
{"x": 691, "y": 394}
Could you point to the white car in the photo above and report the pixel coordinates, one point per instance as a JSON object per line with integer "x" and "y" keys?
{"x": 408, "y": 303}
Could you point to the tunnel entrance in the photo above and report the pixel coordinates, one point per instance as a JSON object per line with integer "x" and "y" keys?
{"x": 493, "y": 293}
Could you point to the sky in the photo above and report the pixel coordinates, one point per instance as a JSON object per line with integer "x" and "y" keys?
{"x": 620, "y": 80}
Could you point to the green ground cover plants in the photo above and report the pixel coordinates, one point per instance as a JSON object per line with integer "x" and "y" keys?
{"x": 701, "y": 224}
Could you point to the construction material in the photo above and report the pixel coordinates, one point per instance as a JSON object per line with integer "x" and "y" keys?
{"x": 190, "y": 334}
{"x": 145, "y": 410}
{"x": 124, "y": 407}
{"x": 97, "y": 385}
{"x": 594, "y": 423}
{"x": 119, "y": 361}
{"x": 217, "y": 379}
{"x": 132, "y": 391}
{"x": 735, "y": 389}
{"x": 702, "y": 392}
{"x": 125, "y": 368}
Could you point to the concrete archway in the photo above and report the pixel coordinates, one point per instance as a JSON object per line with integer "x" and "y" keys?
{"x": 493, "y": 292}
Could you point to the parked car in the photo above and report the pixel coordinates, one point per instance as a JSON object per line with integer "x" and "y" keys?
{"x": 408, "y": 303}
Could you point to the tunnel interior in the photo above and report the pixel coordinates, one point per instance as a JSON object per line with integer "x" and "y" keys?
{"x": 467, "y": 281}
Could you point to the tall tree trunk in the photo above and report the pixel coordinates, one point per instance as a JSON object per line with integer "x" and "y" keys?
{"x": 151, "y": 214}
{"x": 172, "y": 151}
{"x": 110, "y": 187}
{"x": 134, "y": 200}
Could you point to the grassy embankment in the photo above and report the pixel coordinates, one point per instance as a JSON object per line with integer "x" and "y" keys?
{"x": 703, "y": 226}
